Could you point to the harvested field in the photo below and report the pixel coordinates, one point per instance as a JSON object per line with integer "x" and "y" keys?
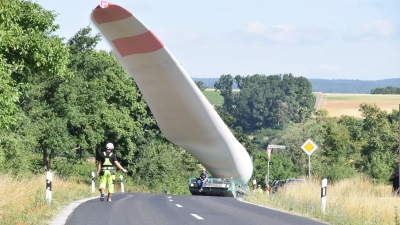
{"x": 348, "y": 104}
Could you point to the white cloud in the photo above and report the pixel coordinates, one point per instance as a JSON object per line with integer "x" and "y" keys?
{"x": 374, "y": 31}
{"x": 255, "y": 28}
{"x": 284, "y": 33}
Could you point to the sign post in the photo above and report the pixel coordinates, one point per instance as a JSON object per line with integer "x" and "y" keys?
{"x": 309, "y": 148}
{"x": 269, "y": 149}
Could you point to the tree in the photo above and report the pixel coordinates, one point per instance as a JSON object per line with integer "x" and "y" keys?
{"x": 28, "y": 48}
{"x": 224, "y": 85}
{"x": 200, "y": 85}
{"x": 337, "y": 152}
{"x": 267, "y": 101}
{"x": 281, "y": 167}
{"x": 380, "y": 148}
{"x": 8, "y": 97}
{"x": 389, "y": 90}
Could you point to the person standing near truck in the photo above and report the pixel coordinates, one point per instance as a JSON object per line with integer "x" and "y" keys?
{"x": 202, "y": 179}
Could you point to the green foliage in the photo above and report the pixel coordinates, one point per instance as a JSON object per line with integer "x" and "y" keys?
{"x": 337, "y": 152}
{"x": 200, "y": 85}
{"x": 267, "y": 101}
{"x": 280, "y": 167}
{"x": 8, "y": 97}
{"x": 27, "y": 41}
{"x": 27, "y": 48}
{"x": 160, "y": 165}
{"x": 389, "y": 90}
{"x": 214, "y": 97}
{"x": 224, "y": 85}
{"x": 66, "y": 168}
{"x": 379, "y": 151}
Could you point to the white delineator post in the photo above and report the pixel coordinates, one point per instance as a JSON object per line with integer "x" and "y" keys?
{"x": 93, "y": 183}
{"x": 49, "y": 180}
{"x": 324, "y": 183}
{"x": 122, "y": 183}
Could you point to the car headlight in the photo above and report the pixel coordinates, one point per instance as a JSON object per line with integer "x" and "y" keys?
{"x": 191, "y": 185}
{"x": 227, "y": 185}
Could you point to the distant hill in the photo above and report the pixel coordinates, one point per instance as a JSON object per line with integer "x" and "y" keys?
{"x": 351, "y": 86}
{"x": 332, "y": 86}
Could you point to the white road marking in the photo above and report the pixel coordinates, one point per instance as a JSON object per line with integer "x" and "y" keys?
{"x": 169, "y": 197}
{"x": 178, "y": 205}
{"x": 197, "y": 216}
{"x": 171, "y": 200}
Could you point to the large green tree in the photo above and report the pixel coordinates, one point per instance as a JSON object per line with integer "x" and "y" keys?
{"x": 380, "y": 150}
{"x": 28, "y": 48}
{"x": 267, "y": 101}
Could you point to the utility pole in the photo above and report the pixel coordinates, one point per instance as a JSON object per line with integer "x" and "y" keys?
{"x": 399, "y": 142}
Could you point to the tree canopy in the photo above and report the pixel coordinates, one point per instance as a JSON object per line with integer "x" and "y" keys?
{"x": 267, "y": 101}
{"x": 28, "y": 48}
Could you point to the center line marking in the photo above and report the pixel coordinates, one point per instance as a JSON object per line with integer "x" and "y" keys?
{"x": 197, "y": 216}
{"x": 171, "y": 200}
{"x": 178, "y": 205}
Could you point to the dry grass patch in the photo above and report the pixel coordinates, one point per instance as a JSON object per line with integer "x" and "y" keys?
{"x": 25, "y": 201}
{"x": 351, "y": 201}
{"x": 348, "y": 104}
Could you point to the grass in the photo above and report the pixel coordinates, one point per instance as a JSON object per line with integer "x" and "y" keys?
{"x": 351, "y": 201}
{"x": 348, "y": 104}
{"x": 214, "y": 97}
{"x": 24, "y": 198}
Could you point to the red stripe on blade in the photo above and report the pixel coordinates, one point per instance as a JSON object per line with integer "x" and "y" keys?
{"x": 142, "y": 43}
{"x": 110, "y": 14}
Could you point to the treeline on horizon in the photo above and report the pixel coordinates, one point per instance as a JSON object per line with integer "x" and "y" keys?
{"x": 331, "y": 86}
{"x": 389, "y": 90}
{"x": 62, "y": 101}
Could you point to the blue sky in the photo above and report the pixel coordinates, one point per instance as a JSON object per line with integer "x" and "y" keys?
{"x": 327, "y": 39}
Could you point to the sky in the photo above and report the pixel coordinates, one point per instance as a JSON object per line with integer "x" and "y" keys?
{"x": 325, "y": 39}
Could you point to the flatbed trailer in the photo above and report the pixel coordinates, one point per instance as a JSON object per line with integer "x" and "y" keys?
{"x": 216, "y": 187}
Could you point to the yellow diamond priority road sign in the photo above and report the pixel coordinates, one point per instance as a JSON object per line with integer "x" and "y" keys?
{"x": 309, "y": 147}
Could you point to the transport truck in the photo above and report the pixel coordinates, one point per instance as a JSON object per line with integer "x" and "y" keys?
{"x": 217, "y": 187}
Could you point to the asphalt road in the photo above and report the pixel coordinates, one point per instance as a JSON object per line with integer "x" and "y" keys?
{"x": 318, "y": 100}
{"x": 135, "y": 208}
